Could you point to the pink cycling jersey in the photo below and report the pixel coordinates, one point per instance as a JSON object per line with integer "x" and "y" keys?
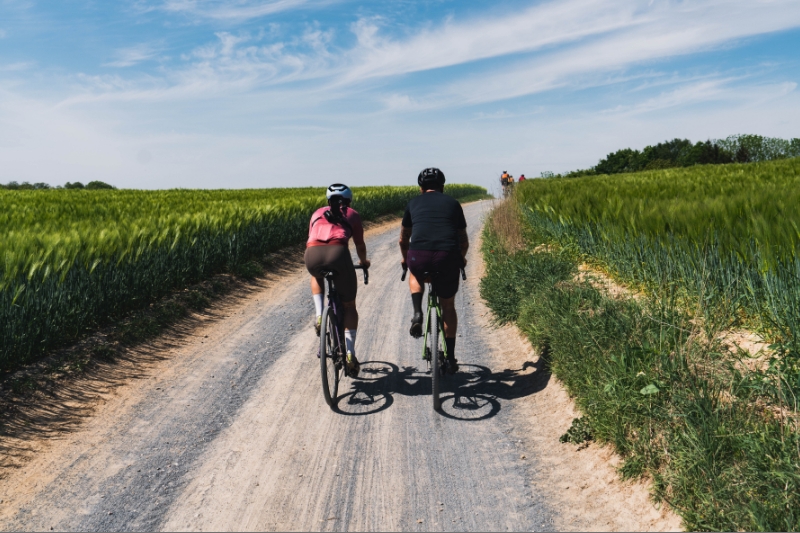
{"x": 324, "y": 233}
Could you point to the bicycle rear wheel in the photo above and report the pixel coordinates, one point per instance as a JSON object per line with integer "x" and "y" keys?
{"x": 330, "y": 360}
{"x": 436, "y": 367}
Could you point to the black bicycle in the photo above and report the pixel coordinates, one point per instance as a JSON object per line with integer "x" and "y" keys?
{"x": 433, "y": 342}
{"x": 332, "y": 350}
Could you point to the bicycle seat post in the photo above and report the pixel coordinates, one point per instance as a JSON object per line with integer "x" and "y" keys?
{"x": 328, "y": 275}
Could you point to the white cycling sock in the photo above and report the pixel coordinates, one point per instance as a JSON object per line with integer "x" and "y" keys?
{"x": 318, "y": 303}
{"x": 350, "y": 340}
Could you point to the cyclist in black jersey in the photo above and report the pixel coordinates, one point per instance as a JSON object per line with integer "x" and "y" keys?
{"x": 433, "y": 238}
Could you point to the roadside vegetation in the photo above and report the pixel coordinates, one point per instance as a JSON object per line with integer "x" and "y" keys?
{"x": 75, "y": 259}
{"x": 699, "y": 252}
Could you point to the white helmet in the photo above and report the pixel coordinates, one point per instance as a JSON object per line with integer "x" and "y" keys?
{"x": 340, "y": 189}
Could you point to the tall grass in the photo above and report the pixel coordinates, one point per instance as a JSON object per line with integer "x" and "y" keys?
{"x": 72, "y": 259}
{"x": 674, "y": 403}
{"x": 724, "y": 237}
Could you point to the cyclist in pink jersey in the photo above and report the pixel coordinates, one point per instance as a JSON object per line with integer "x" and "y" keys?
{"x": 329, "y": 233}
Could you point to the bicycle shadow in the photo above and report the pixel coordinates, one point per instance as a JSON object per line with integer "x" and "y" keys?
{"x": 474, "y": 393}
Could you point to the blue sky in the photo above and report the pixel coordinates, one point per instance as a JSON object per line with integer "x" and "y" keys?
{"x": 266, "y": 93}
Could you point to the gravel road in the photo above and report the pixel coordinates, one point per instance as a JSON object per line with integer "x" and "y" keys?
{"x": 231, "y": 432}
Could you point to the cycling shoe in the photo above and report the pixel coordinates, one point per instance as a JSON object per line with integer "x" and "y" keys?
{"x": 353, "y": 366}
{"x": 451, "y": 364}
{"x": 416, "y": 326}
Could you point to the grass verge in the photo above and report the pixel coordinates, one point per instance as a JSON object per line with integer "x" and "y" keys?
{"x": 662, "y": 390}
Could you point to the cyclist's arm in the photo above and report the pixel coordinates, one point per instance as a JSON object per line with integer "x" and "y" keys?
{"x": 361, "y": 251}
{"x": 354, "y": 219}
{"x": 405, "y": 240}
{"x": 463, "y": 241}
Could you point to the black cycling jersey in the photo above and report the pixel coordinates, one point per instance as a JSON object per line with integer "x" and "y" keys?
{"x": 435, "y": 219}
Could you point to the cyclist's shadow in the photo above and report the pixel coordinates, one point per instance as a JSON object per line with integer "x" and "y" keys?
{"x": 474, "y": 393}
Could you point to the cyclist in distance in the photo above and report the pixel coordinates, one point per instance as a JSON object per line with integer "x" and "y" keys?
{"x": 433, "y": 238}
{"x": 505, "y": 180}
{"x": 329, "y": 233}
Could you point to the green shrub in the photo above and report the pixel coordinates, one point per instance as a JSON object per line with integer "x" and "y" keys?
{"x": 97, "y": 185}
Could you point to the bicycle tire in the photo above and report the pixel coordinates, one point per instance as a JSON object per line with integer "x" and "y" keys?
{"x": 330, "y": 366}
{"x": 435, "y": 363}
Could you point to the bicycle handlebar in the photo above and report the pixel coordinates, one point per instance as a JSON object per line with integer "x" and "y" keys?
{"x": 366, "y": 273}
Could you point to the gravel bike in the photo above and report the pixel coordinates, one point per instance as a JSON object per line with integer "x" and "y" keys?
{"x": 332, "y": 348}
{"x": 434, "y": 347}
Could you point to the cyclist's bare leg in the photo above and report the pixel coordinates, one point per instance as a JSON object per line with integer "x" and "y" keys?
{"x": 450, "y": 319}
{"x": 415, "y": 286}
{"x": 316, "y": 285}
{"x": 449, "y": 316}
{"x": 350, "y": 320}
{"x": 317, "y": 293}
{"x": 350, "y": 315}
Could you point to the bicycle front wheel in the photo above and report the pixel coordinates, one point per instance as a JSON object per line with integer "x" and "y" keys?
{"x": 436, "y": 366}
{"x": 330, "y": 360}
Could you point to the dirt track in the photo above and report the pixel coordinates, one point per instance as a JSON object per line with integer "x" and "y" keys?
{"x": 231, "y": 432}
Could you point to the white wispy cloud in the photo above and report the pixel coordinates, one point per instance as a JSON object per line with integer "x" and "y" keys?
{"x": 3, "y": 33}
{"x": 132, "y": 55}
{"x": 569, "y": 43}
{"x": 454, "y": 43}
{"x": 234, "y": 10}
{"x": 648, "y": 34}
{"x": 722, "y": 90}
{"x": 16, "y": 67}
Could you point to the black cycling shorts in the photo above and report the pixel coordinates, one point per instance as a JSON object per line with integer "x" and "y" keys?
{"x": 447, "y": 265}
{"x": 337, "y": 259}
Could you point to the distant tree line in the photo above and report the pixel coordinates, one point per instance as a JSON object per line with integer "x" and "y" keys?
{"x": 13, "y": 185}
{"x": 682, "y": 153}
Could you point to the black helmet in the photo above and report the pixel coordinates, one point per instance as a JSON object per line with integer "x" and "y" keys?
{"x": 431, "y": 178}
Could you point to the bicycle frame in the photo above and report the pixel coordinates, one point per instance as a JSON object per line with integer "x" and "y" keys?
{"x": 438, "y": 342}
{"x": 332, "y": 342}
{"x": 433, "y": 306}
{"x": 334, "y": 304}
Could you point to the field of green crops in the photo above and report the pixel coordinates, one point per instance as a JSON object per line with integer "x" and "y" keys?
{"x": 72, "y": 259}
{"x": 724, "y": 236}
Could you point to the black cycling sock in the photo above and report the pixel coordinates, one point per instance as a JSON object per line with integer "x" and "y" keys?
{"x": 416, "y": 299}
{"x": 451, "y": 346}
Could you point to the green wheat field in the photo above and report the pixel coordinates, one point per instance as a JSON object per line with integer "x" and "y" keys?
{"x": 71, "y": 260}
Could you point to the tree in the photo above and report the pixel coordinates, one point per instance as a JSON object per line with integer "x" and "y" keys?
{"x": 672, "y": 153}
{"x": 625, "y": 160}
{"x": 98, "y": 185}
{"x": 76, "y": 185}
{"x": 794, "y": 147}
{"x": 709, "y": 153}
